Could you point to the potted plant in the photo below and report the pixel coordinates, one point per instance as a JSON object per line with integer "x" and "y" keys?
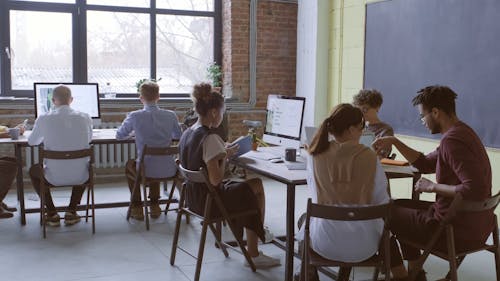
{"x": 214, "y": 73}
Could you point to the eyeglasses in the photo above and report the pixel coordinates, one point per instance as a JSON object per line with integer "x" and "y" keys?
{"x": 422, "y": 117}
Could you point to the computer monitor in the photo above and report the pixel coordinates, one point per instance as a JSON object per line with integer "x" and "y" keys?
{"x": 284, "y": 120}
{"x": 85, "y": 98}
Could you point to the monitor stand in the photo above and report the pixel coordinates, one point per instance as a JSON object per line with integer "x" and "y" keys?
{"x": 96, "y": 123}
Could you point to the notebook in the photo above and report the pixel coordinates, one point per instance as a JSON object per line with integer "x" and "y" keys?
{"x": 245, "y": 143}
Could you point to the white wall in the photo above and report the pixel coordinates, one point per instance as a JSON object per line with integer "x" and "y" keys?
{"x": 312, "y": 58}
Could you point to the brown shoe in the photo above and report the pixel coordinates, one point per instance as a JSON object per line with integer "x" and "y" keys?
{"x": 5, "y": 214}
{"x": 137, "y": 213}
{"x": 155, "y": 210}
{"x": 7, "y": 208}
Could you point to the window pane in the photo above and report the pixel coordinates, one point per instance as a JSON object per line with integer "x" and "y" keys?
{"x": 195, "y": 5}
{"x": 41, "y": 48}
{"x": 118, "y": 49}
{"x": 122, "y": 3}
{"x": 184, "y": 50}
{"x": 51, "y": 1}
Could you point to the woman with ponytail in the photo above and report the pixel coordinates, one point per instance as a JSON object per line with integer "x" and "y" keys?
{"x": 341, "y": 171}
{"x": 201, "y": 147}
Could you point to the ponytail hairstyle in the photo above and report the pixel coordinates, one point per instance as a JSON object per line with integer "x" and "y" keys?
{"x": 343, "y": 116}
{"x": 205, "y": 98}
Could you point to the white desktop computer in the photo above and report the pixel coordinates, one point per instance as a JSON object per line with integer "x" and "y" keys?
{"x": 85, "y": 99}
{"x": 284, "y": 121}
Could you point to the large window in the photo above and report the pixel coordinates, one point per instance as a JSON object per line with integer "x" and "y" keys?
{"x": 115, "y": 42}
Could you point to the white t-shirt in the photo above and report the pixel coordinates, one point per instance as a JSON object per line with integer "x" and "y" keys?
{"x": 213, "y": 146}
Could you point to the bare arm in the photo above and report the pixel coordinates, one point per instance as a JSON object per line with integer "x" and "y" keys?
{"x": 216, "y": 168}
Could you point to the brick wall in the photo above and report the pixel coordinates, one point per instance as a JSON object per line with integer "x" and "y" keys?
{"x": 276, "y": 56}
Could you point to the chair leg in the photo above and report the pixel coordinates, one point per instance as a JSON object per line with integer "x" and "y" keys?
{"x": 93, "y": 210}
{"x": 146, "y": 205}
{"x": 87, "y": 206}
{"x": 170, "y": 195}
{"x": 376, "y": 272}
{"x": 344, "y": 273}
{"x": 218, "y": 238}
{"x": 242, "y": 248}
{"x": 497, "y": 249}
{"x": 42, "y": 210}
{"x": 177, "y": 228}
{"x": 451, "y": 253}
{"x": 201, "y": 249}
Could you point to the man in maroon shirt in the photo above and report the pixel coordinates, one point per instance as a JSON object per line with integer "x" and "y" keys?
{"x": 461, "y": 166}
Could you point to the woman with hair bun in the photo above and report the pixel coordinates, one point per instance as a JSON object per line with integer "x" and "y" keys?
{"x": 346, "y": 173}
{"x": 201, "y": 147}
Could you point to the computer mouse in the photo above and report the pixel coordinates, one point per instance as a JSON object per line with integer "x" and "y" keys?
{"x": 277, "y": 160}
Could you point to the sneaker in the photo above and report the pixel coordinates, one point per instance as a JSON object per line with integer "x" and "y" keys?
{"x": 137, "y": 213}
{"x": 71, "y": 218}
{"x": 155, "y": 211}
{"x": 268, "y": 235}
{"x": 7, "y": 208}
{"x": 4, "y": 214}
{"x": 263, "y": 261}
{"x": 53, "y": 220}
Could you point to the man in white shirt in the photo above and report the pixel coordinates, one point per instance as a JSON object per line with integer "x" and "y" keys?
{"x": 62, "y": 129}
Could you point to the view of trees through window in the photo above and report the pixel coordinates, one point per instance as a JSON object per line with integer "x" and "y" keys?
{"x": 118, "y": 38}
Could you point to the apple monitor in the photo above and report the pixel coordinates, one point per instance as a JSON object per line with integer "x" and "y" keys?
{"x": 284, "y": 120}
{"x": 85, "y": 98}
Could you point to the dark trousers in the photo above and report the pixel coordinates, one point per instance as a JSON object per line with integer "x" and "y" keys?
{"x": 36, "y": 179}
{"x": 8, "y": 172}
{"x": 411, "y": 220}
{"x": 154, "y": 187}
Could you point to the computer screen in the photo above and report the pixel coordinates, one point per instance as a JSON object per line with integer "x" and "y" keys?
{"x": 284, "y": 120}
{"x": 85, "y": 98}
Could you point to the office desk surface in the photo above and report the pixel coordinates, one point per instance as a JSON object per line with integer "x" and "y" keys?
{"x": 99, "y": 136}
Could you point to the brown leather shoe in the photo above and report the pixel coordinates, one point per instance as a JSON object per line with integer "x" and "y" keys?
{"x": 5, "y": 214}
{"x": 155, "y": 210}
{"x": 137, "y": 213}
{"x": 7, "y": 208}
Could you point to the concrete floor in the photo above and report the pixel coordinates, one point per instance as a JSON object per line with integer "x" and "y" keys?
{"x": 122, "y": 250}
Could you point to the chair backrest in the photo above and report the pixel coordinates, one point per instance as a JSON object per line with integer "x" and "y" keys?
{"x": 479, "y": 206}
{"x": 155, "y": 151}
{"x": 461, "y": 205}
{"x": 159, "y": 151}
{"x": 67, "y": 155}
{"x": 199, "y": 176}
{"x": 347, "y": 213}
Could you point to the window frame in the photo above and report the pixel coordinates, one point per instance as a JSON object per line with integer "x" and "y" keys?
{"x": 78, "y": 11}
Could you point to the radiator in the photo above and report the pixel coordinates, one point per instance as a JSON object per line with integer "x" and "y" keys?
{"x": 105, "y": 155}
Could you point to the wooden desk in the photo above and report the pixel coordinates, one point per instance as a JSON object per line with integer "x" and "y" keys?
{"x": 100, "y": 136}
{"x": 292, "y": 178}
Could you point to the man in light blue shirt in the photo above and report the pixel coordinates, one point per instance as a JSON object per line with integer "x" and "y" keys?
{"x": 154, "y": 127}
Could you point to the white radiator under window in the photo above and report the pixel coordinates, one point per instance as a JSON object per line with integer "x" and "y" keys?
{"x": 105, "y": 155}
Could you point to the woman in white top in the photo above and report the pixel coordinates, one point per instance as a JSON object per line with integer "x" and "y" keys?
{"x": 344, "y": 172}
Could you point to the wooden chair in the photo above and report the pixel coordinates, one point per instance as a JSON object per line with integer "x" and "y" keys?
{"x": 145, "y": 181}
{"x": 207, "y": 220}
{"x": 379, "y": 260}
{"x": 453, "y": 256}
{"x": 44, "y": 187}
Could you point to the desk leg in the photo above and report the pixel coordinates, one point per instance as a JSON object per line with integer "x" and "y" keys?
{"x": 290, "y": 231}
{"x": 19, "y": 182}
